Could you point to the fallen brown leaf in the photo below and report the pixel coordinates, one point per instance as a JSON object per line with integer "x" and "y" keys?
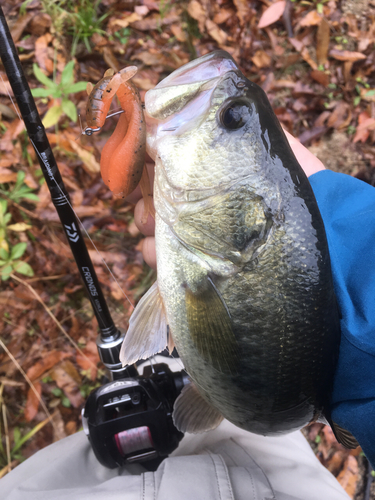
{"x": 179, "y": 33}
{"x": 346, "y": 55}
{"x": 261, "y": 59}
{"x": 307, "y": 57}
{"x": 340, "y": 116}
{"x": 363, "y": 133}
{"x": 322, "y": 41}
{"x": 126, "y": 20}
{"x": 91, "y": 360}
{"x": 215, "y": 32}
{"x": 7, "y": 175}
{"x": 348, "y": 477}
{"x": 223, "y": 15}
{"x": 368, "y": 94}
{"x": 46, "y": 363}
{"x": 19, "y": 26}
{"x": 313, "y": 18}
{"x": 272, "y": 14}
{"x": 68, "y": 379}
{"x": 243, "y": 10}
{"x": 42, "y": 53}
{"x": 197, "y": 12}
{"x": 32, "y": 403}
{"x": 320, "y": 77}
{"x": 335, "y": 463}
{"x": 89, "y": 162}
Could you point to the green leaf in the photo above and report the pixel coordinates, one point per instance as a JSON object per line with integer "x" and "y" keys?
{"x": 69, "y": 109}
{"x": 3, "y": 206}
{"x": 42, "y": 77}
{"x": 56, "y": 93}
{"x": 67, "y": 76}
{"x": 18, "y": 250}
{"x": 4, "y": 254}
{"x": 52, "y": 116}
{"x": 16, "y": 434}
{"x": 23, "y": 268}
{"x": 5, "y": 272}
{"x": 65, "y": 402}
{"x": 29, "y": 435}
{"x": 56, "y": 392}
{"x": 76, "y": 87}
{"x": 20, "y": 178}
{"x": 40, "y": 92}
{"x": 370, "y": 93}
{"x": 7, "y": 218}
{"x": 31, "y": 196}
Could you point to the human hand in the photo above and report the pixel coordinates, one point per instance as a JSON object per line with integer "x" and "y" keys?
{"x": 310, "y": 164}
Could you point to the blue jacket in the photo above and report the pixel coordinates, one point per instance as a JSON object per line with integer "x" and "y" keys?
{"x": 347, "y": 206}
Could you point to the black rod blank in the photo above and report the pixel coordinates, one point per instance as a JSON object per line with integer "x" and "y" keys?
{"x": 59, "y": 195}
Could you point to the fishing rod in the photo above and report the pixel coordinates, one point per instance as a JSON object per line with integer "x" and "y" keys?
{"x": 129, "y": 419}
{"x": 110, "y": 337}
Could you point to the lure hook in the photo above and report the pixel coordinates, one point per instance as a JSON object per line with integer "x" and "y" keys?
{"x": 89, "y": 131}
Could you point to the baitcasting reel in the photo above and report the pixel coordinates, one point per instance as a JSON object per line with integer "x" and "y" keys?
{"x": 130, "y": 420}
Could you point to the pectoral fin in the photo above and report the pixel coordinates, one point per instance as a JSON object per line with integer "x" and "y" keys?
{"x": 344, "y": 437}
{"x": 211, "y": 329}
{"x": 192, "y": 413}
{"x": 147, "y": 332}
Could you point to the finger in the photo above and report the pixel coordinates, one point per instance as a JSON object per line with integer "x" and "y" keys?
{"x": 136, "y": 194}
{"x": 149, "y": 252}
{"x": 309, "y": 162}
{"x": 148, "y": 229}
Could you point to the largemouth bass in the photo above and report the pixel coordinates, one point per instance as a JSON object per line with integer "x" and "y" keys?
{"x": 244, "y": 279}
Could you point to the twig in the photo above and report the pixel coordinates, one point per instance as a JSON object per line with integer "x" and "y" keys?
{"x": 50, "y": 313}
{"x": 6, "y": 430}
{"x": 31, "y": 385}
{"x": 287, "y": 20}
{"x": 46, "y": 278}
{"x": 20, "y": 207}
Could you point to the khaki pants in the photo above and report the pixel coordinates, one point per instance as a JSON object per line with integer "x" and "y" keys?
{"x": 225, "y": 464}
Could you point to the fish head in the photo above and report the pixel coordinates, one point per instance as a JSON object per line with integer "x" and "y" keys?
{"x": 208, "y": 127}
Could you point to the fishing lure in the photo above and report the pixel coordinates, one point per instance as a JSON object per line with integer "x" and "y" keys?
{"x": 123, "y": 156}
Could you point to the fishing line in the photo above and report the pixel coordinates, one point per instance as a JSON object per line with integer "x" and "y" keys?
{"x": 68, "y": 202}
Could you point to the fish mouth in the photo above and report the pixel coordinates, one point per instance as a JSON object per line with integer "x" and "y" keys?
{"x": 204, "y": 68}
{"x": 182, "y": 97}
{"x": 181, "y": 86}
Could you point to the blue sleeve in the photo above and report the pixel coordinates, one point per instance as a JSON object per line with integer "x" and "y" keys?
{"x": 347, "y": 206}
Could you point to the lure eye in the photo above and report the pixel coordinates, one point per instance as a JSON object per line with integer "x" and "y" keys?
{"x": 233, "y": 115}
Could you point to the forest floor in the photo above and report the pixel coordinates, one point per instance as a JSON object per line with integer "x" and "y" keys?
{"x": 316, "y": 61}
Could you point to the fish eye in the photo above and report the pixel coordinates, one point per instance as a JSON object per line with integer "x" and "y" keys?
{"x": 232, "y": 115}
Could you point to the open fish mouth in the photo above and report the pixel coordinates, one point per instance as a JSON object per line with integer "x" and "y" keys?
{"x": 178, "y": 101}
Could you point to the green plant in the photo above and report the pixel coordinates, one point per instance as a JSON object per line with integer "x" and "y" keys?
{"x": 10, "y": 254}
{"x": 123, "y": 35}
{"x": 9, "y": 262}
{"x": 85, "y": 22}
{"x": 58, "y": 393}
{"x": 59, "y": 91}
{"x": 19, "y": 191}
{"x": 78, "y": 18}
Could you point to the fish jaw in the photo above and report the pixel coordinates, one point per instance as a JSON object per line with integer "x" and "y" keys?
{"x": 190, "y": 86}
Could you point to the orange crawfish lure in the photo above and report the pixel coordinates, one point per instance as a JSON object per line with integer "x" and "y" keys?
{"x": 123, "y": 156}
